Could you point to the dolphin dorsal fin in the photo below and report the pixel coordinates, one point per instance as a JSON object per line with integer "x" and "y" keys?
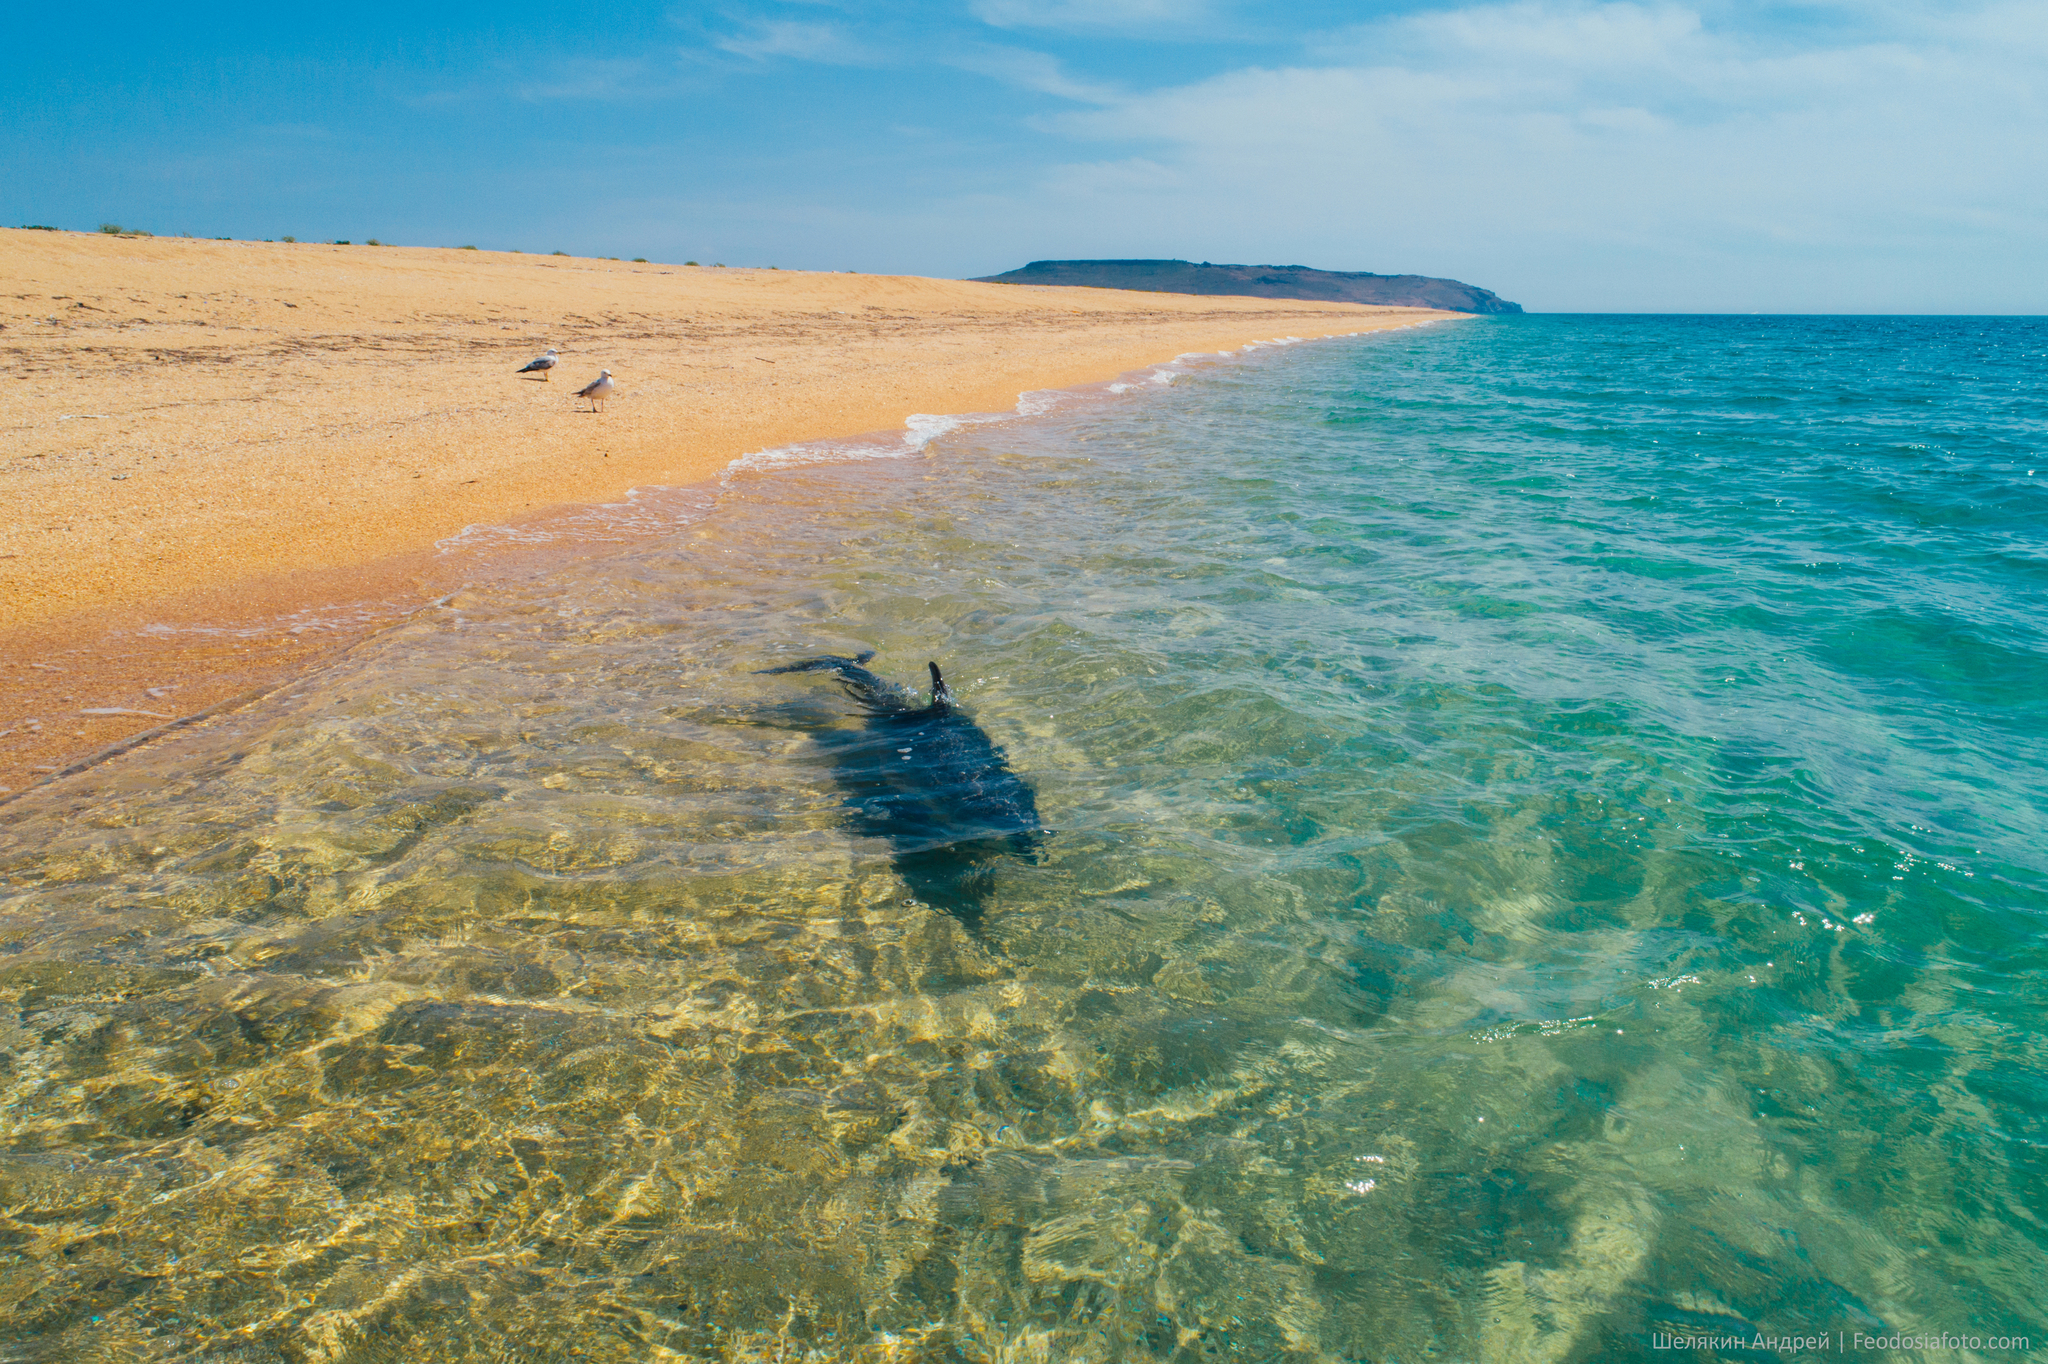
{"x": 940, "y": 691}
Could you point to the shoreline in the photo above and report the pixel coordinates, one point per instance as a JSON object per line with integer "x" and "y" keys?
{"x": 233, "y": 460}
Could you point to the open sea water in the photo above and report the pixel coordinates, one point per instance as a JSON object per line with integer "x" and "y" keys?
{"x": 1549, "y": 862}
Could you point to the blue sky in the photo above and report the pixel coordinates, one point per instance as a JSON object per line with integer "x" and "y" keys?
{"x": 1642, "y": 155}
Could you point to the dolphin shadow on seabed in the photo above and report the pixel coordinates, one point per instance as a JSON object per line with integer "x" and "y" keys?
{"x": 928, "y": 780}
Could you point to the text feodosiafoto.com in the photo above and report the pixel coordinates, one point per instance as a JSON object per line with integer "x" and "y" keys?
{"x": 1840, "y": 1342}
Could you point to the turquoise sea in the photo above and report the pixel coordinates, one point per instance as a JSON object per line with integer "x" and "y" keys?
{"x": 1548, "y": 862}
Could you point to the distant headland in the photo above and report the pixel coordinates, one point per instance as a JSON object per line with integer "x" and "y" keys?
{"x": 1260, "y": 281}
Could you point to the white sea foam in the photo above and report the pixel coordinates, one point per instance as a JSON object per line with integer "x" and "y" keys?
{"x": 922, "y": 428}
{"x": 919, "y": 430}
{"x": 340, "y": 616}
{"x": 646, "y": 511}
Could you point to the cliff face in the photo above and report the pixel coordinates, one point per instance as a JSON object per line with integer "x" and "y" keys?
{"x": 1261, "y": 281}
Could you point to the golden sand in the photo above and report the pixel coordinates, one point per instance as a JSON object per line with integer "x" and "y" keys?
{"x": 222, "y": 434}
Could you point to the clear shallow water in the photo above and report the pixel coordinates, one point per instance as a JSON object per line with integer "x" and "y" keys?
{"x": 1549, "y": 854}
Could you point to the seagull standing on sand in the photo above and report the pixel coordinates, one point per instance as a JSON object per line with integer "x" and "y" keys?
{"x": 597, "y": 390}
{"x": 541, "y": 364}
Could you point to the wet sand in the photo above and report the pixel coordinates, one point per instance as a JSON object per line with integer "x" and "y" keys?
{"x": 225, "y": 461}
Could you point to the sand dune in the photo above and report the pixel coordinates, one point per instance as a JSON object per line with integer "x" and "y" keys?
{"x": 227, "y": 440}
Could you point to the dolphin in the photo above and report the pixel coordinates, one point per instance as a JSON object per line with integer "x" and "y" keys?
{"x": 928, "y": 780}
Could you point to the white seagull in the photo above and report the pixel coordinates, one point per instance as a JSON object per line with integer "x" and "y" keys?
{"x": 541, "y": 364}
{"x": 598, "y": 389}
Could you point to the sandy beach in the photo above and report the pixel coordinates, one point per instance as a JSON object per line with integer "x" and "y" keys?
{"x": 227, "y": 460}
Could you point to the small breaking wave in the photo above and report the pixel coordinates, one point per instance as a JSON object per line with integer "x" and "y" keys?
{"x": 337, "y": 618}
{"x": 645, "y": 511}
{"x": 919, "y": 430}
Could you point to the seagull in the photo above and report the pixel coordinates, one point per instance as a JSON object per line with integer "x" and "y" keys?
{"x": 598, "y": 389}
{"x": 541, "y": 364}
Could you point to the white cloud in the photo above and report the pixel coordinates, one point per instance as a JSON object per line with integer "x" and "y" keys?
{"x": 1034, "y": 71}
{"x": 807, "y": 42}
{"x": 1609, "y": 155}
{"x": 593, "y": 78}
{"x": 602, "y": 79}
{"x": 1068, "y": 15}
{"x": 1590, "y": 37}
